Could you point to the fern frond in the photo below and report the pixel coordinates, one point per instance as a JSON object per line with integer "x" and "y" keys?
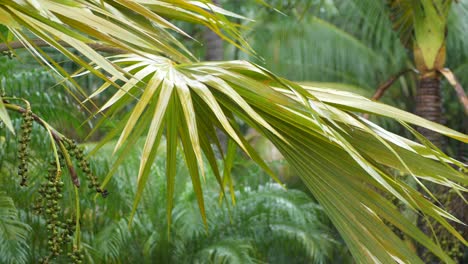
{"x": 227, "y": 251}
{"x": 113, "y": 241}
{"x": 13, "y": 233}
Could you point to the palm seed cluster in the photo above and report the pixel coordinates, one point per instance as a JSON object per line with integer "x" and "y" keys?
{"x": 25, "y": 138}
{"x": 450, "y": 244}
{"x": 60, "y": 231}
{"x": 78, "y": 154}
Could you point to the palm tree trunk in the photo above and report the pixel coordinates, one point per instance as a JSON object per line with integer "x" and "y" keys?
{"x": 214, "y": 44}
{"x": 215, "y": 52}
{"x": 429, "y": 105}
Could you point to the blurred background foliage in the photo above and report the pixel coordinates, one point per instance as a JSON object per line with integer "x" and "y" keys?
{"x": 322, "y": 41}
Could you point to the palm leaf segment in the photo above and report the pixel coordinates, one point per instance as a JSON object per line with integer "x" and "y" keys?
{"x": 341, "y": 157}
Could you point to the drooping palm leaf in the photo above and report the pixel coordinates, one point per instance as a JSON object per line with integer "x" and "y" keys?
{"x": 4, "y": 117}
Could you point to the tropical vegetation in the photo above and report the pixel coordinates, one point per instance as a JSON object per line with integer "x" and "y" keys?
{"x": 153, "y": 89}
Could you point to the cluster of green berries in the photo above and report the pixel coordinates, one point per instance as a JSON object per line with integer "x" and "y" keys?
{"x": 395, "y": 201}
{"x": 60, "y": 233}
{"x": 8, "y": 53}
{"x": 26, "y": 129}
{"x": 76, "y": 256}
{"x": 47, "y": 204}
{"x": 452, "y": 246}
{"x": 78, "y": 153}
{"x": 449, "y": 243}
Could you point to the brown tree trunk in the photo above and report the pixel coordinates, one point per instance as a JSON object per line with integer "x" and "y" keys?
{"x": 429, "y": 105}
{"x": 214, "y": 44}
{"x": 215, "y": 52}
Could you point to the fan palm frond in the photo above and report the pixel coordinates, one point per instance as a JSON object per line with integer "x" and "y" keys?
{"x": 295, "y": 120}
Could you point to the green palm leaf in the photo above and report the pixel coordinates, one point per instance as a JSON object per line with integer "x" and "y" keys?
{"x": 4, "y": 117}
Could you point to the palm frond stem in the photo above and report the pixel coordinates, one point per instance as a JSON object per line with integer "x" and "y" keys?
{"x": 448, "y": 74}
{"x": 385, "y": 85}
